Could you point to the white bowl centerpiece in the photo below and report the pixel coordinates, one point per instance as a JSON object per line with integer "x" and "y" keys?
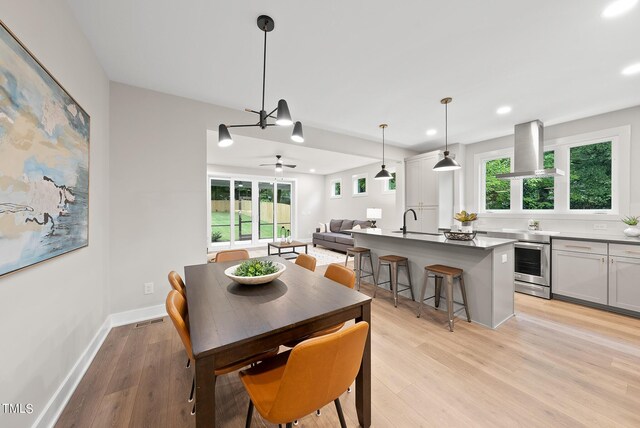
{"x": 255, "y": 271}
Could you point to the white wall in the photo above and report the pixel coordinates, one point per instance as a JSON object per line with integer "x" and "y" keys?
{"x": 355, "y": 207}
{"x": 52, "y": 311}
{"x": 627, "y": 117}
{"x": 309, "y": 192}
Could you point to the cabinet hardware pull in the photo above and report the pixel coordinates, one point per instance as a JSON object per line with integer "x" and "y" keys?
{"x": 603, "y": 260}
{"x": 578, "y": 246}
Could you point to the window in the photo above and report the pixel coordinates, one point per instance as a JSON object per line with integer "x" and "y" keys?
{"x": 593, "y": 163}
{"x": 389, "y": 186}
{"x": 283, "y": 208}
{"x": 336, "y": 188}
{"x": 360, "y": 185}
{"x": 220, "y": 210}
{"x": 537, "y": 193}
{"x": 590, "y": 178}
{"x": 243, "y": 217}
{"x": 497, "y": 192}
{"x": 265, "y": 214}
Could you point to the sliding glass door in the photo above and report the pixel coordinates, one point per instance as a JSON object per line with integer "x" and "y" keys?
{"x": 266, "y": 211}
{"x": 220, "y": 210}
{"x": 243, "y": 218}
{"x": 283, "y": 207}
{"x": 245, "y": 211}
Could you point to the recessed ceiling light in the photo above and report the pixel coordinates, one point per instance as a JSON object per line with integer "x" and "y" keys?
{"x": 312, "y": 170}
{"x": 431, "y": 132}
{"x": 632, "y": 69}
{"x": 503, "y": 110}
{"x": 618, "y": 7}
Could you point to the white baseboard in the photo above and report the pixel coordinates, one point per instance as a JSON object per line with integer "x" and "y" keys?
{"x": 135, "y": 315}
{"x": 51, "y": 412}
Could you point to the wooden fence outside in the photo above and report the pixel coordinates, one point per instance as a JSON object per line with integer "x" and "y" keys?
{"x": 283, "y": 211}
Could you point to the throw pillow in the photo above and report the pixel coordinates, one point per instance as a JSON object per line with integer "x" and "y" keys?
{"x": 323, "y": 227}
{"x": 356, "y": 227}
{"x": 334, "y": 225}
{"x": 346, "y": 225}
{"x": 364, "y": 224}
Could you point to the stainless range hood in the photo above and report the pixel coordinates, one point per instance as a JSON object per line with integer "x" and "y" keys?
{"x": 529, "y": 153}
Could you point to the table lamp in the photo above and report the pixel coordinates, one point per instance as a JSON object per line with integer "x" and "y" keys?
{"x": 374, "y": 214}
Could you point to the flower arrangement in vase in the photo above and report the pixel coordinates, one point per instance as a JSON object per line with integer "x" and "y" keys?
{"x": 631, "y": 221}
{"x": 466, "y": 221}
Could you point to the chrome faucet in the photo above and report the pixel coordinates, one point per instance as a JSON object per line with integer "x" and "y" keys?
{"x": 404, "y": 220}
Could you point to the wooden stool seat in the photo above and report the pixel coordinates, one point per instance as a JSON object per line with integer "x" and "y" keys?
{"x": 440, "y": 272}
{"x": 394, "y": 263}
{"x": 392, "y": 258}
{"x": 444, "y": 270}
{"x": 358, "y": 250}
{"x": 358, "y": 253}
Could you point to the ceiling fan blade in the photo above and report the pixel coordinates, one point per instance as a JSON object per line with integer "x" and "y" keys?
{"x": 289, "y": 166}
{"x": 268, "y": 164}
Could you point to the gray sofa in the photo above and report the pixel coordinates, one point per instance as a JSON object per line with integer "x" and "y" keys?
{"x": 336, "y": 237}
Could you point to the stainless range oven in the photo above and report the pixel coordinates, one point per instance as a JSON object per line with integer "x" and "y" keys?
{"x": 531, "y": 261}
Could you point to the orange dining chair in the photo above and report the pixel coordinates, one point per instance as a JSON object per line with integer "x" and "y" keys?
{"x": 177, "y": 310}
{"x": 310, "y": 376}
{"x": 340, "y": 274}
{"x": 306, "y": 261}
{"x": 231, "y": 255}
{"x": 177, "y": 283}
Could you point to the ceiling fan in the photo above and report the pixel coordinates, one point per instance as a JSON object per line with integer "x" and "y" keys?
{"x": 278, "y": 164}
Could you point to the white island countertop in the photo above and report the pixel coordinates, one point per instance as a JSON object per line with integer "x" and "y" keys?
{"x": 481, "y": 242}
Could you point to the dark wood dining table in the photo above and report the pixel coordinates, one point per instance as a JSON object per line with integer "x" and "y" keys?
{"x": 229, "y": 322}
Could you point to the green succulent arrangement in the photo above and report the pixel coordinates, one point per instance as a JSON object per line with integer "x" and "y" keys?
{"x": 256, "y": 268}
{"x": 631, "y": 220}
{"x": 464, "y": 216}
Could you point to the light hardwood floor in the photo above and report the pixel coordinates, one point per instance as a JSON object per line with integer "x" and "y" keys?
{"x": 554, "y": 365}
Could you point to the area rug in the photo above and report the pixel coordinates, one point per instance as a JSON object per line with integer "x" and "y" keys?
{"x": 323, "y": 256}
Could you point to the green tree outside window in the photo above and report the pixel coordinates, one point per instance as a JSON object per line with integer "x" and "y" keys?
{"x": 392, "y": 182}
{"x": 537, "y": 193}
{"x": 362, "y": 185}
{"x": 497, "y": 191}
{"x": 590, "y": 176}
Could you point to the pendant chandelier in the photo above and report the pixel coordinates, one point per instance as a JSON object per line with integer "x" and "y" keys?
{"x": 447, "y": 163}
{"x": 282, "y": 117}
{"x": 383, "y": 174}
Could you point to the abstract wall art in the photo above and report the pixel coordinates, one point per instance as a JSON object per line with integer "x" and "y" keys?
{"x": 44, "y": 162}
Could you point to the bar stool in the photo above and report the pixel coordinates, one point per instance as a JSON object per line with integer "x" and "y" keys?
{"x": 450, "y": 273}
{"x": 394, "y": 262}
{"x": 358, "y": 253}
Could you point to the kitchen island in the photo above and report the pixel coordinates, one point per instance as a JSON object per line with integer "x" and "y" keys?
{"x": 487, "y": 264}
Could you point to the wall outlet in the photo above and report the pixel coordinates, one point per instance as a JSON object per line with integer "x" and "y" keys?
{"x": 600, "y": 226}
{"x": 148, "y": 288}
{"x": 504, "y": 258}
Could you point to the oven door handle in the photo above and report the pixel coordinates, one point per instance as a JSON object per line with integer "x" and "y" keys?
{"x": 528, "y": 245}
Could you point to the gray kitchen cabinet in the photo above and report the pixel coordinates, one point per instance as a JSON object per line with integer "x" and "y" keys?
{"x": 624, "y": 277}
{"x": 421, "y": 181}
{"x": 581, "y": 275}
{"x": 427, "y": 220}
{"x": 422, "y": 193}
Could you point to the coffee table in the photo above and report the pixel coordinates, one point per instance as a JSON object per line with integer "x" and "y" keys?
{"x": 284, "y": 245}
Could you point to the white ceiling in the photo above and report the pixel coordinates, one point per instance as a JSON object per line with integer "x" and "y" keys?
{"x": 263, "y": 151}
{"x": 347, "y": 66}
